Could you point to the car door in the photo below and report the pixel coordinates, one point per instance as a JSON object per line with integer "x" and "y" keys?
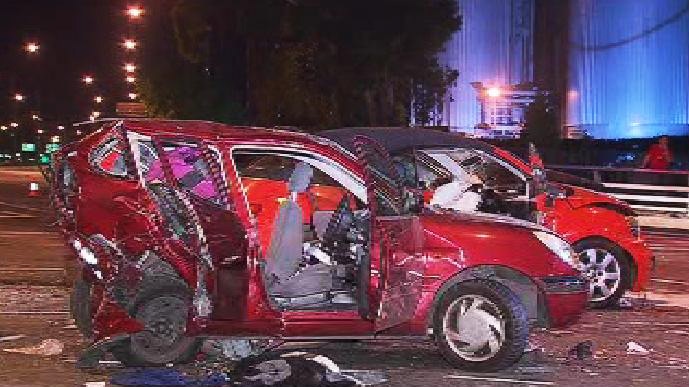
{"x": 397, "y": 263}
{"x": 191, "y": 172}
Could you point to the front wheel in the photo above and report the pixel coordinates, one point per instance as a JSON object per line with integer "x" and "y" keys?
{"x": 607, "y": 269}
{"x": 481, "y": 326}
{"x": 161, "y": 306}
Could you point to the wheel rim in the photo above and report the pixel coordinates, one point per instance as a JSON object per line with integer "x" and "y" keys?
{"x": 603, "y": 271}
{"x": 474, "y": 328}
{"x": 164, "y": 320}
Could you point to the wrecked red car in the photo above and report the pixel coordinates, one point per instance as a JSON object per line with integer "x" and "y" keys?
{"x": 468, "y": 175}
{"x": 188, "y": 230}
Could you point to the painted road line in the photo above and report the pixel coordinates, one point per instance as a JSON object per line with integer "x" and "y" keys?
{"x": 20, "y": 233}
{"x": 19, "y": 206}
{"x": 504, "y": 380}
{"x": 31, "y": 269}
{"x": 14, "y": 215}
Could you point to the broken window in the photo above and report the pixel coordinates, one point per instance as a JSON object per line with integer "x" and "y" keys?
{"x": 109, "y": 158}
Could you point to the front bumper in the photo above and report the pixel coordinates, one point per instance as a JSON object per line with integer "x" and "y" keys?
{"x": 565, "y": 299}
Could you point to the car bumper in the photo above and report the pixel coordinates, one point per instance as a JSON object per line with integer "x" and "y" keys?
{"x": 565, "y": 299}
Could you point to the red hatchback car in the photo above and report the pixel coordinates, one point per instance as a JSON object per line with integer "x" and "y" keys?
{"x": 470, "y": 175}
{"x": 185, "y": 230}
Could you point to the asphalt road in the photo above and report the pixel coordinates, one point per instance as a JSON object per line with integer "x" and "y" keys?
{"x": 33, "y": 303}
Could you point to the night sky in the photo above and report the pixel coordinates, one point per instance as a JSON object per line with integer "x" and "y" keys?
{"x": 76, "y": 38}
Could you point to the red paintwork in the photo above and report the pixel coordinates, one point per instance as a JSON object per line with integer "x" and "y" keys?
{"x": 589, "y": 214}
{"x": 438, "y": 246}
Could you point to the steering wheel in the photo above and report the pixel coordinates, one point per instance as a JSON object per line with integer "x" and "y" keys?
{"x": 340, "y": 222}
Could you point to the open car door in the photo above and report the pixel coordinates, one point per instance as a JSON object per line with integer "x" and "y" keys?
{"x": 396, "y": 240}
{"x": 186, "y": 179}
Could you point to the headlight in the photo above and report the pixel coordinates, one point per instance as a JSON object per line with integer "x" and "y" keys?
{"x": 558, "y": 246}
{"x": 88, "y": 256}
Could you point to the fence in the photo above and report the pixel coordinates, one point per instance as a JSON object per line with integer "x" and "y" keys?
{"x": 650, "y": 192}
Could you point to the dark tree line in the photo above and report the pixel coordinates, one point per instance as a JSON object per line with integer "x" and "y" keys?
{"x": 307, "y": 63}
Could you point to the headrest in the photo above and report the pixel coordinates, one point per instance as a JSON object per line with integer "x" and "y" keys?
{"x": 300, "y": 179}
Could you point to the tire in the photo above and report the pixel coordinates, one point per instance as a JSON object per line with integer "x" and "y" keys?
{"x": 490, "y": 311}
{"x": 161, "y": 305}
{"x": 603, "y": 250}
{"x": 80, "y": 306}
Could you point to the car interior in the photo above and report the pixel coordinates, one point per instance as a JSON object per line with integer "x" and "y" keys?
{"x": 315, "y": 232}
{"x": 466, "y": 180}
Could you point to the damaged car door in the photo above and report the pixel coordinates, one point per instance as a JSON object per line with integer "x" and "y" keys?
{"x": 187, "y": 178}
{"x": 397, "y": 262}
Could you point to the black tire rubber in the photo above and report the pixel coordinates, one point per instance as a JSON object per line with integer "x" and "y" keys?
{"x": 80, "y": 306}
{"x": 185, "y": 349}
{"x": 516, "y": 325}
{"x": 625, "y": 269}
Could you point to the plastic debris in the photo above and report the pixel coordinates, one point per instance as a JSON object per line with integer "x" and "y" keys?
{"x": 582, "y": 351}
{"x": 48, "y": 347}
{"x": 166, "y": 377}
{"x": 636, "y": 349}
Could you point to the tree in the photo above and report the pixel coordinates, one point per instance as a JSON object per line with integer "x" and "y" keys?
{"x": 542, "y": 127}
{"x": 308, "y": 63}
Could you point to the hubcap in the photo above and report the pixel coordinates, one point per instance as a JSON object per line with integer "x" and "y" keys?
{"x": 603, "y": 272}
{"x": 164, "y": 320}
{"x": 474, "y": 328}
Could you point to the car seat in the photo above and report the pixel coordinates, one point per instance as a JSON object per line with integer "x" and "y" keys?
{"x": 285, "y": 277}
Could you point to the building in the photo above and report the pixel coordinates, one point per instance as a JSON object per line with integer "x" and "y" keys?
{"x": 493, "y": 52}
{"x": 628, "y": 68}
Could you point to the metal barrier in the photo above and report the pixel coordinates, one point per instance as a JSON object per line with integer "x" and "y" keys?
{"x": 649, "y": 191}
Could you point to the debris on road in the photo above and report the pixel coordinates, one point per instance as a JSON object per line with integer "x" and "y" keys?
{"x": 48, "y": 347}
{"x": 582, "y": 351}
{"x": 636, "y": 349}
{"x": 625, "y": 303}
{"x": 94, "y": 384}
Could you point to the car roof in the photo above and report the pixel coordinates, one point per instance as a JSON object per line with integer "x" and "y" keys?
{"x": 398, "y": 139}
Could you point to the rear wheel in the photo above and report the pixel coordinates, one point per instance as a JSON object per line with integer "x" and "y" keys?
{"x": 80, "y": 301}
{"x": 161, "y": 306}
{"x": 607, "y": 268}
{"x": 481, "y": 326}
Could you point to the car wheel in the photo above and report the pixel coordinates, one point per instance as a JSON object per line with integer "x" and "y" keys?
{"x": 481, "y": 326}
{"x": 606, "y": 267}
{"x": 161, "y": 306}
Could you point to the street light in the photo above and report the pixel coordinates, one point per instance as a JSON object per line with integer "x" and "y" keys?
{"x": 87, "y": 79}
{"x": 39, "y": 131}
{"x": 129, "y": 44}
{"x": 129, "y": 67}
{"x": 19, "y": 97}
{"x": 14, "y": 124}
{"x": 3, "y": 127}
{"x": 35, "y": 117}
{"x": 494, "y": 92}
{"x": 134, "y": 12}
{"x": 130, "y": 79}
{"x": 98, "y": 99}
{"x": 31, "y": 47}
{"x": 132, "y": 95}
{"x": 60, "y": 127}
{"x": 95, "y": 114}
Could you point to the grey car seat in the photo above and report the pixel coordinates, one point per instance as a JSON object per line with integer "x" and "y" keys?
{"x": 284, "y": 275}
